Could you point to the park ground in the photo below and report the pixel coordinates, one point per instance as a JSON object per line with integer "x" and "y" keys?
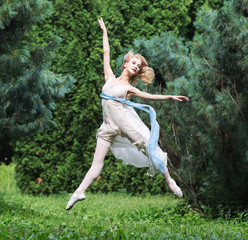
{"x": 107, "y": 216}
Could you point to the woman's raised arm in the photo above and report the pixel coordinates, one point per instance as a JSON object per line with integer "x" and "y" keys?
{"x": 106, "y": 52}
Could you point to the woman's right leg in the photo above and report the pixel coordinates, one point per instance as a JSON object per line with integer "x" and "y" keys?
{"x": 140, "y": 139}
{"x": 102, "y": 148}
{"x": 172, "y": 185}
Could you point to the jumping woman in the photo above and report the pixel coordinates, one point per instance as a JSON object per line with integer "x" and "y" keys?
{"x": 122, "y": 130}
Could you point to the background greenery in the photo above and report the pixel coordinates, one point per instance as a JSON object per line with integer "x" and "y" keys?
{"x": 206, "y": 139}
{"x": 203, "y": 61}
{"x": 29, "y": 88}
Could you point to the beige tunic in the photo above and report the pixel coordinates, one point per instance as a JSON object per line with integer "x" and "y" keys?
{"x": 124, "y": 129}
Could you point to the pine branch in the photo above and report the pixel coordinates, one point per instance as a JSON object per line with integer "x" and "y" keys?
{"x": 235, "y": 103}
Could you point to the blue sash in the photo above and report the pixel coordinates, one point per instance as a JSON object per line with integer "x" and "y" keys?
{"x": 154, "y": 135}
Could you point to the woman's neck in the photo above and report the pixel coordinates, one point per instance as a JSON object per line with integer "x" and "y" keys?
{"x": 124, "y": 77}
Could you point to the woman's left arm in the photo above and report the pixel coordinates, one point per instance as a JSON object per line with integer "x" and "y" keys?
{"x": 135, "y": 92}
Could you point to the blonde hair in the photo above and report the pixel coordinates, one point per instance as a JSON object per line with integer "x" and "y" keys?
{"x": 146, "y": 74}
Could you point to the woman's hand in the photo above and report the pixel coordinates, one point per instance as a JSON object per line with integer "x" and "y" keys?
{"x": 102, "y": 25}
{"x": 180, "y": 98}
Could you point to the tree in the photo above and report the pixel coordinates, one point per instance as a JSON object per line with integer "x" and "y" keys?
{"x": 28, "y": 88}
{"x": 207, "y": 138}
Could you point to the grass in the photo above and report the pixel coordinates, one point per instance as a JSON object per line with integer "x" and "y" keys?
{"x": 106, "y": 216}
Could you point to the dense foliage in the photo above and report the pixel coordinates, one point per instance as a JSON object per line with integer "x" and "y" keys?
{"x": 206, "y": 138}
{"x": 57, "y": 160}
{"x": 28, "y": 88}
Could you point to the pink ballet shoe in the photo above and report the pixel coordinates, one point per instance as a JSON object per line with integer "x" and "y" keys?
{"x": 74, "y": 198}
{"x": 174, "y": 188}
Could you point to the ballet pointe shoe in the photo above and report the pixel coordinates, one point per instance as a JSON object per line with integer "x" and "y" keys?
{"x": 74, "y": 198}
{"x": 174, "y": 188}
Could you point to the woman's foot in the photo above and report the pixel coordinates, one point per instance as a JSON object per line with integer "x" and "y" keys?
{"x": 174, "y": 188}
{"x": 75, "y": 198}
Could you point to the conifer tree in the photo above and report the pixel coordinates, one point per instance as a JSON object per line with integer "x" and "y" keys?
{"x": 207, "y": 138}
{"x": 28, "y": 89}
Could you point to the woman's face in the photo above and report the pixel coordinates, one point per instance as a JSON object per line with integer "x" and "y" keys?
{"x": 133, "y": 66}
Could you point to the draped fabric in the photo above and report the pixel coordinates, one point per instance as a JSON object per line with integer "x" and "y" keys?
{"x": 153, "y": 147}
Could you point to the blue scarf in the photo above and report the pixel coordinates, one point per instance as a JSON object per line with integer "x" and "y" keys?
{"x": 154, "y": 135}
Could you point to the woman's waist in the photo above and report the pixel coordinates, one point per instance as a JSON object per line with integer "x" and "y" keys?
{"x": 112, "y": 102}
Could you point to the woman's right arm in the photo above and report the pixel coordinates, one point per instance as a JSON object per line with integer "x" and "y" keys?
{"x": 106, "y": 52}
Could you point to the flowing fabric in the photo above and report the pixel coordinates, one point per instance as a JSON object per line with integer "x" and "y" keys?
{"x": 154, "y": 135}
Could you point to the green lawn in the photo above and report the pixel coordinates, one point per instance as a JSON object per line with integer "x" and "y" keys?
{"x": 105, "y": 216}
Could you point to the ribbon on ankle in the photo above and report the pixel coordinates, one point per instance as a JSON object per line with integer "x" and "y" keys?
{"x": 154, "y": 135}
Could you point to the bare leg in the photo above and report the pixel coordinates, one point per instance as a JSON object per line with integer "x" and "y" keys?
{"x": 102, "y": 148}
{"x": 172, "y": 185}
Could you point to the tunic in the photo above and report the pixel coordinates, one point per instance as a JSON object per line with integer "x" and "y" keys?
{"x": 127, "y": 134}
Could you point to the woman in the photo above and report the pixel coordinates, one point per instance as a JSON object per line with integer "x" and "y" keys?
{"x": 122, "y": 130}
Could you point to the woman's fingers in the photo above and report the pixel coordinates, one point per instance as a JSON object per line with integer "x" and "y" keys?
{"x": 102, "y": 25}
{"x": 181, "y": 98}
{"x": 185, "y": 98}
{"x": 100, "y": 22}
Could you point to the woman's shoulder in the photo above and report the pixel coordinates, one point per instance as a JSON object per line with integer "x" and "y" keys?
{"x": 133, "y": 89}
{"x": 109, "y": 77}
